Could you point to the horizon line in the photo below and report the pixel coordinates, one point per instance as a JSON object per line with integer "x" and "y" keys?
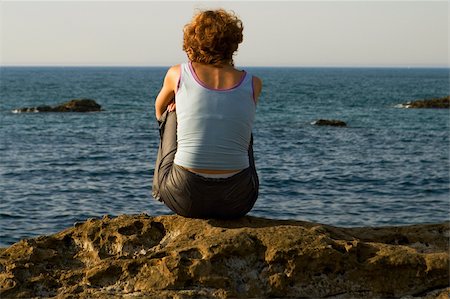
{"x": 239, "y": 66}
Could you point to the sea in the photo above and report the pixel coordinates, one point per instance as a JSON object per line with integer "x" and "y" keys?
{"x": 388, "y": 167}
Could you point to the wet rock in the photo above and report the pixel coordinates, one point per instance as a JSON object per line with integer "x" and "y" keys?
{"x": 171, "y": 256}
{"x": 329, "y": 122}
{"x": 75, "y": 105}
{"x": 438, "y": 103}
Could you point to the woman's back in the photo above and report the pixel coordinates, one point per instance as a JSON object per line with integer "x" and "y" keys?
{"x": 214, "y": 124}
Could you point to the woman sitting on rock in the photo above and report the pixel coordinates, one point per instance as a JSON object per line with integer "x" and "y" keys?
{"x": 205, "y": 110}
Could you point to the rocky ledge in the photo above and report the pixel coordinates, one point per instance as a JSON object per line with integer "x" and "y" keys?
{"x": 171, "y": 256}
{"x": 75, "y": 105}
{"x": 441, "y": 103}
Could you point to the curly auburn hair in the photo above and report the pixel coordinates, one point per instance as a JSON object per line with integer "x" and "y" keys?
{"x": 212, "y": 37}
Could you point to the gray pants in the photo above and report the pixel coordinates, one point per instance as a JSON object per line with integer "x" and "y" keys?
{"x": 191, "y": 195}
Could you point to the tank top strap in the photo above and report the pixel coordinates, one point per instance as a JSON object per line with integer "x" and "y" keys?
{"x": 185, "y": 75}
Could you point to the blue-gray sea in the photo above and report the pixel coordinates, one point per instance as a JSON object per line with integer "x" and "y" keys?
{"x": 389, "y": 166}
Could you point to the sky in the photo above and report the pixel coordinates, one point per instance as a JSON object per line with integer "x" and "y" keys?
{"x": 276, "y": 33}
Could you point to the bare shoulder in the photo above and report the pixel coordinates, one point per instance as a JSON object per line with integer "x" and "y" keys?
{"x": 173, "y": 73}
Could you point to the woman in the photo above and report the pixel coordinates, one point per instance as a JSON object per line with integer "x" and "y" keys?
{"x": 205, "y": 166}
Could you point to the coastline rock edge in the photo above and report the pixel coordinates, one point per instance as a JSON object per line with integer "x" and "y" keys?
{"x": 251, "y": 257}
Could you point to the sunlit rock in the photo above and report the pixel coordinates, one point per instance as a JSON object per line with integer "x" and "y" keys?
{"x": 171, "y": 256}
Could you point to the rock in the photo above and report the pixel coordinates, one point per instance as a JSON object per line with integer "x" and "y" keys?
{"x": 75, "y": 105}
{"x": 440, "y": 103}
{"x": 329, "y": 122}
{"x": 78, "y": 105}
{"x": 171, "y": 256}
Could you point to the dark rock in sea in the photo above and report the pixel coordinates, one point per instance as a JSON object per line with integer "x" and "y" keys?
{"x": 330, "y": 122}
{"x": 44, "y": 109}
{"x": 75, "y": 105}
{"x": 438, "y": 103}
{"x": 175, "y": 257}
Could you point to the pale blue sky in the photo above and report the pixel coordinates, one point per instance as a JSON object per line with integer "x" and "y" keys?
{"x": 292, "y": 33}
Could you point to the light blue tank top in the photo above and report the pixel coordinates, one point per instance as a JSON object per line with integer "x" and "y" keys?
{"x": 214, "y": 125}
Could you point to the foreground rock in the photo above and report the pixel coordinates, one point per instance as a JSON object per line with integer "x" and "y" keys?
{"x": 440, "y": 103}
{"x": 329, "y": 122}
{"x": 75, "y": 105}
{"x": 167, "y": 256}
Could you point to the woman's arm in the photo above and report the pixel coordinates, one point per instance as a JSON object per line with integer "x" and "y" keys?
{"x": 168, "y": 90}
{"x": 257, "y": 87}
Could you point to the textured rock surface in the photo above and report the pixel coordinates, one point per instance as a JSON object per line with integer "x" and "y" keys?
{"x": 171, "y": 256}
{"x": 442, "y": 103}
{"x": 75, "y": 105}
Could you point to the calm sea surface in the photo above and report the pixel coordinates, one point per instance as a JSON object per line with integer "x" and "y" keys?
{"x": 390, "y": 166}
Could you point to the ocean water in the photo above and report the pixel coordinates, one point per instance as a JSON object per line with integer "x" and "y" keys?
{"x": 390, "y": 166}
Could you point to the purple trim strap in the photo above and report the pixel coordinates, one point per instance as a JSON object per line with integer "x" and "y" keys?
{"x": 194, "y": 74}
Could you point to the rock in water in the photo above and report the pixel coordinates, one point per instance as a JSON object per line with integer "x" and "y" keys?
{"x": 172, "y": 256}
{"x": 438, "y": 103}
{"x": 78, "y": 105}
{"x": 329, "y": 122}
{"x": 75, "y": 105}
